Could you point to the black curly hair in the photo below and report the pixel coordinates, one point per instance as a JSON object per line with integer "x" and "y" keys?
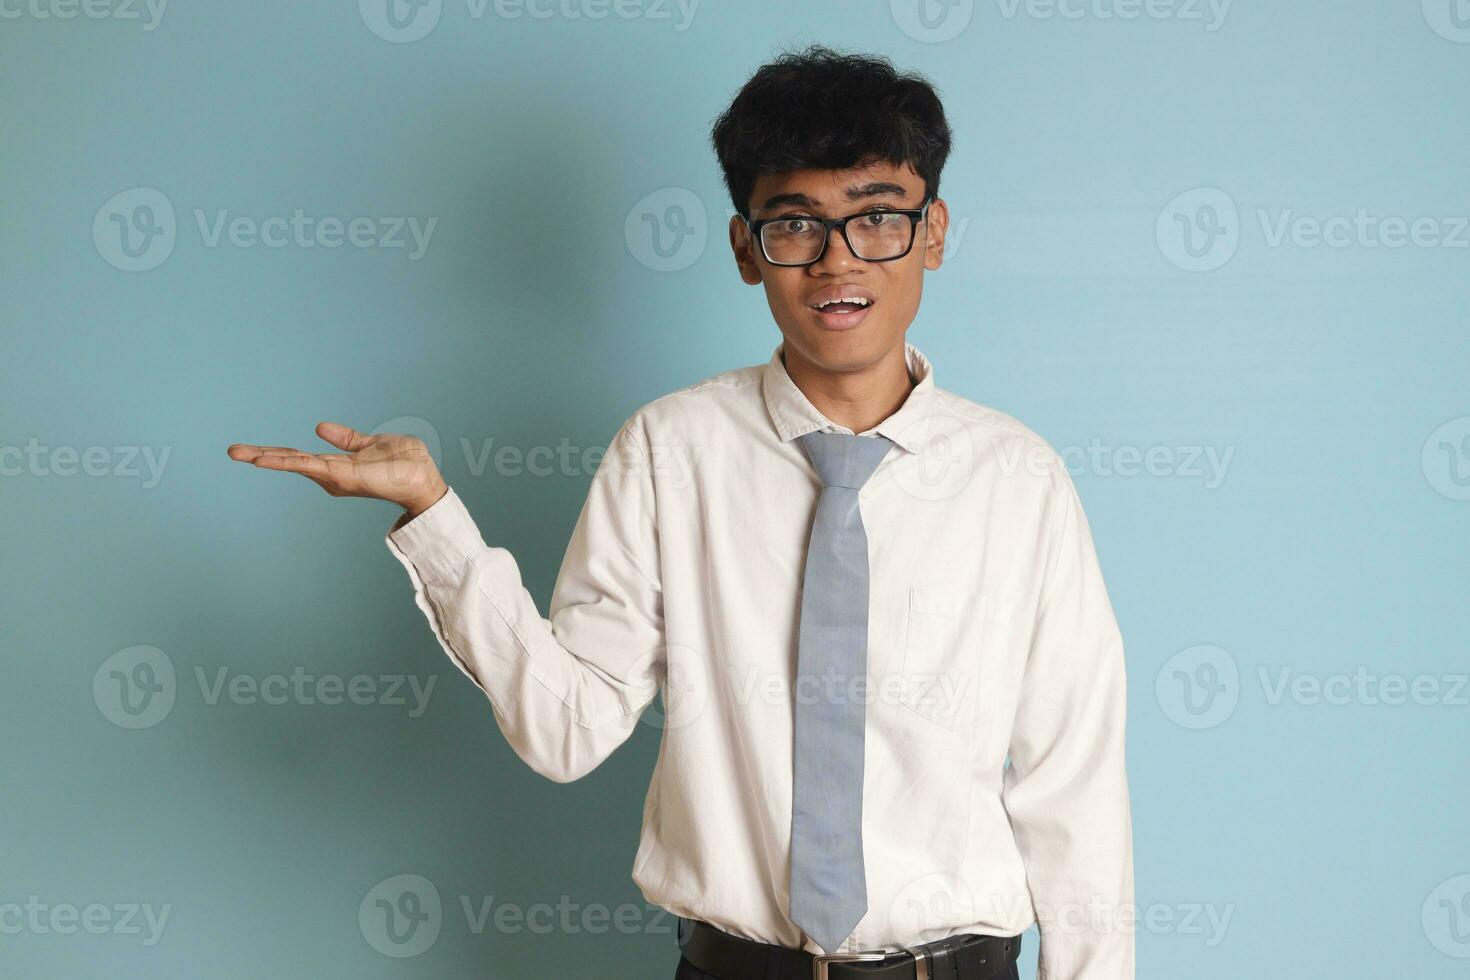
{"x": 828, "y": 110}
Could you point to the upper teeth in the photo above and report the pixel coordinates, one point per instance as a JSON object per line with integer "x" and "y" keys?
{"x": 846, "y": 299}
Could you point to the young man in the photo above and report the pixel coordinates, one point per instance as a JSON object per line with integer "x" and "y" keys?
{"x": 893, "y": 679}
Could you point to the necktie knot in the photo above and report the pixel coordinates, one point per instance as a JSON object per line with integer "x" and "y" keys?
{"x": 843, "y": 460}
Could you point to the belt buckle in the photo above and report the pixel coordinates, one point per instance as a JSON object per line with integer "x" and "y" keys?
{"x": 820, "y": 961}
{"x": 926, "y": 959}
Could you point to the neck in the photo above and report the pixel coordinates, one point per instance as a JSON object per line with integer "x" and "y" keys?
{"x": 858, "y": 399}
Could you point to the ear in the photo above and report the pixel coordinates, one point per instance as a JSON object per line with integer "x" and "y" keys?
{"x": 936, "y": 226}
{"x": 744, "y": 248}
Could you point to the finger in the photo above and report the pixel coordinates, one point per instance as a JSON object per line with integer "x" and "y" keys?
{"x": 247, "y": 453}
{"x": 342, "y": 436}
{"x": 243, "y": 451}
{"x": 300, "y": 463}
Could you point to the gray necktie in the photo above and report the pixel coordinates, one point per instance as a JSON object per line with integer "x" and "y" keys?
{"x": 829, "y": 891}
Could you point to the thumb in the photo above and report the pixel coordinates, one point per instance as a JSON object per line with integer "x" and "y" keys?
{"x": 342, "y": 436}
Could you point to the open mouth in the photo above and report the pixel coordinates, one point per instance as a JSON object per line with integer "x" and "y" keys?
{"x": 843, "y": 310}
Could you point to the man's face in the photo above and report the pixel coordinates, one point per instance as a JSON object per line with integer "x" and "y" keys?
{"x": 842, "y": 337}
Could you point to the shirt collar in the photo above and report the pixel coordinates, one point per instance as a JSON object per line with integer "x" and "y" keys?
{"x": 794, "y": 415}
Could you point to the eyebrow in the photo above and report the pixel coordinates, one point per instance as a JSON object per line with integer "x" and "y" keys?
{"x": 854, "y": 192}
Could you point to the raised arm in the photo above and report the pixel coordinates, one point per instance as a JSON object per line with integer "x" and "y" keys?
{"x": 565, "y": 690}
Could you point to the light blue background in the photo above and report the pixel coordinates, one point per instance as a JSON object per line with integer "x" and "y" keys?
{"x": 1334, "y": 541}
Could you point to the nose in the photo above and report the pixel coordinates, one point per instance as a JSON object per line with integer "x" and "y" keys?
{"x": 837, "y": 258}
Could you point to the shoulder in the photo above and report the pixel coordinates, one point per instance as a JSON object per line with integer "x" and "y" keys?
{"x": 1000, "y": 439}
{"x": 697, "y": 409}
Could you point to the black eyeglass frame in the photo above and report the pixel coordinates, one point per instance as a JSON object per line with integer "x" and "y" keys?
{"x": 916, "y": 217}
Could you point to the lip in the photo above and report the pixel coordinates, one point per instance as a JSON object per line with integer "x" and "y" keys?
{"x": 831, "y": 320}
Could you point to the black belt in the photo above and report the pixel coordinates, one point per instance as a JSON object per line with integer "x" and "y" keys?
{"x": 967, "y": 956}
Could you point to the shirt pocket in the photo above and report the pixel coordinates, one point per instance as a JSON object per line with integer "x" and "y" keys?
{"x": 947, "y": 633}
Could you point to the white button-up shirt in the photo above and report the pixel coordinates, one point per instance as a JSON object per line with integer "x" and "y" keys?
{"x": 994, "y": 789}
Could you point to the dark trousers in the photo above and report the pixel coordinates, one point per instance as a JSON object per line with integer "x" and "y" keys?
{"x": 688, "y": 971}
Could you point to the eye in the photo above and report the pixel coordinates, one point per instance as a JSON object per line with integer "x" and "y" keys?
{"x": 797, "y": 225}
{"x": 877, "y": 219}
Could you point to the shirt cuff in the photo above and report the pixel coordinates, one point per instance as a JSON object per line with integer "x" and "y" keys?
{"x": 438, "y": 541}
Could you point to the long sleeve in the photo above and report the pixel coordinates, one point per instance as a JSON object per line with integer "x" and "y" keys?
{"x": 1066, "y": 790}
{"x": 568, "y": 689}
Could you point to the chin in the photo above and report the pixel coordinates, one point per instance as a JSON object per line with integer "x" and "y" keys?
{"x": 837, "y": 350}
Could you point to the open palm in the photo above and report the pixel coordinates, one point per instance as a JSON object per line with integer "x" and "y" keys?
{"x": 390, "y": 467}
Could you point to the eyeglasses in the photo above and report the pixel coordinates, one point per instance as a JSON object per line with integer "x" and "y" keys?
{"x": 874, "y": 236}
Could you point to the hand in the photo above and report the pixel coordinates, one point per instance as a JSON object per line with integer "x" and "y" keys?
{"x": 389, "y": 467}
